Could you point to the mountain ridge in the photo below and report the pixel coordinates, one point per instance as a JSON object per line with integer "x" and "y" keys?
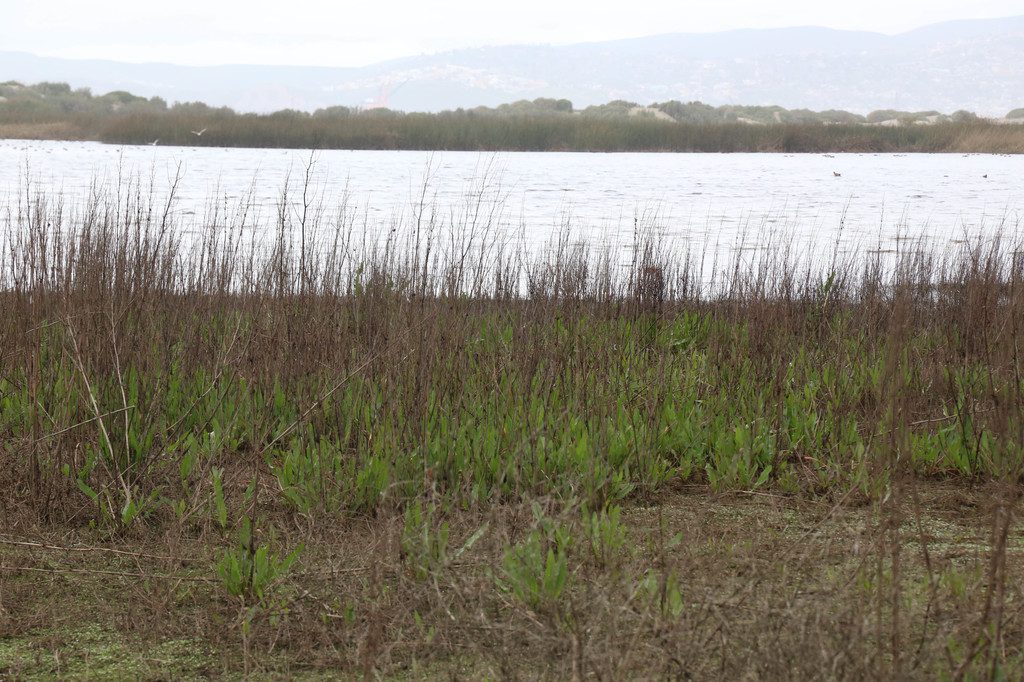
{"x": 975, "y": 65}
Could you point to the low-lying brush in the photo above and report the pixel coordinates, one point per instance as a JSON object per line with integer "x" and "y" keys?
{"x": 54, "y": 111}
{"x": 443, "y": 452}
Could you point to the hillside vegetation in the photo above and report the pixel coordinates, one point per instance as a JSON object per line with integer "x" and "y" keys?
{"x": 55, "y": 111}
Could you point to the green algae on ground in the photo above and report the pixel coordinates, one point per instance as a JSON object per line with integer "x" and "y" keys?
{"x": 93, "y": 651}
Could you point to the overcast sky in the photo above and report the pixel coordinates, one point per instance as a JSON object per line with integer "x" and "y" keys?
{"x": 333, "y": 33}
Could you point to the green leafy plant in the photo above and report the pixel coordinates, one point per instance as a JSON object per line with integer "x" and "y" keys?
{"x": 606, "y": 535}
{"x": 425, "y": 541}
{"x": 665, "y": 593}
{"x": 536, "y": 577}
{"x": 536, "y": 570}
{"x": 249, "y": 570}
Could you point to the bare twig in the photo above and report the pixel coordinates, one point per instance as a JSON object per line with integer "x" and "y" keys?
{"x": 118, "y": 574}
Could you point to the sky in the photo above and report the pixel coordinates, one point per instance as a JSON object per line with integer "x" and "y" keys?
{"x": 333, "y": 33}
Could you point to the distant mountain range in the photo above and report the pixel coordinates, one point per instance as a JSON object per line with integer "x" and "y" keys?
{"x": 975, "y": 65}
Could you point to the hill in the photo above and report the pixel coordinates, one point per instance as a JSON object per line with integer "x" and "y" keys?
{"x": 976, "y": 65}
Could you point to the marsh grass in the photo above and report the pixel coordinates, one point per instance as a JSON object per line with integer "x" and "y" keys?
{"x": 466, "y": 132}
{"x": 428, "y": 448}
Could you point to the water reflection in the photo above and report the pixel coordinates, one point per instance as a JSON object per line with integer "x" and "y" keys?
{"x": 718, "y": 202}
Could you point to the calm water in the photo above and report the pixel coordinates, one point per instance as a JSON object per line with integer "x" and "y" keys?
{"x": 705, "y": 201}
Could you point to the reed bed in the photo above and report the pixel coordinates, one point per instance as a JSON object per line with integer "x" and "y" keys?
{"x": 430, "y": 450}
{"x": 565, "y": 133}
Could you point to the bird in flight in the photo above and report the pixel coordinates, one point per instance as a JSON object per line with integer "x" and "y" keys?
{"x": 153, "y": 143}
{"x": 198, "y": 132}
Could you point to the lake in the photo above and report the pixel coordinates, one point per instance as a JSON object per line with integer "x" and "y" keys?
{"x": 715, "y": 202}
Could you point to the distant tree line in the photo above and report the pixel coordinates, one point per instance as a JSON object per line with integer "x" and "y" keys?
{"x": 55, "y": 111}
